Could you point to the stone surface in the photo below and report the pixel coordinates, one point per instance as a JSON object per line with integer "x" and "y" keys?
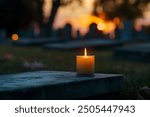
{"x": 57, "y": 85}
{"x": 97, "y": 43}
{"x": 137, "y": 52}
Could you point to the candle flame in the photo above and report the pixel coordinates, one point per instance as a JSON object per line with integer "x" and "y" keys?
{"x": 85, "y": 52}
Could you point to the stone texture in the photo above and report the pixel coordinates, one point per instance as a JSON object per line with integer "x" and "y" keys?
{"x": 57, "y": 85}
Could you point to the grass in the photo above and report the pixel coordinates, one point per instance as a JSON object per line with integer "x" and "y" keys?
{"x": 137, "y": 74}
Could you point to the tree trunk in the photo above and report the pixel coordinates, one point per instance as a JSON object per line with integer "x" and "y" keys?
{"x": 49, "y": 25}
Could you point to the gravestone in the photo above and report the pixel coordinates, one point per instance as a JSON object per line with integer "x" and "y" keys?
{"x": 137, "y": 52}
{"x": 117, "y": 33}
{"x": 64, "y": 34}
{"x": 142, "y": 34}
{"x": 94, "y": 32}
{"x": 57, "y": 85}
{"x": 127, "y": 32}
{"x": 78, "y": 35}
{"x": 68, "y": 32}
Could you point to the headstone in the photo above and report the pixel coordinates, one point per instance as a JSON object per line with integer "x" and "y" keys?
{"x": 117, "y": 33}
{"x": 94, "y": 32}
{"x": 141, "y": 35}
{"x": 78, "y": 37}
{"x": 68, "y": 32}
{"x": 127, "y": 31}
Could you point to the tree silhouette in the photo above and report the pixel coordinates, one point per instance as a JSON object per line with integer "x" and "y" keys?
{"x": 55, "y": 5}
{"x": 15, "y": 14}
{"x": 19, "y": 13}
{"x": 126, "y": 9}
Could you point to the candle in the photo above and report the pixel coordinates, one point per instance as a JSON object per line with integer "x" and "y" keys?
{"x": 85, "y": 64}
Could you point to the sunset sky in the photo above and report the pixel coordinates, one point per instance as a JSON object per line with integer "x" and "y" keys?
{"x": 70, "y": 13}
{"x": 72, "y": 10}
{"x": 80, "y": 16}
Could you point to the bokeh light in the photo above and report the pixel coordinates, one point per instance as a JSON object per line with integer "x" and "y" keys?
{"x": 15, "y": 37}
{"x": 116, "y": 20}
{"x": 101, "y": 26}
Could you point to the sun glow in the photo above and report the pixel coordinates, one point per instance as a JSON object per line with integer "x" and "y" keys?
{"x": 47, "y": 9}
{"x": 79, "y": 16}
{"x": 102, "y": 24}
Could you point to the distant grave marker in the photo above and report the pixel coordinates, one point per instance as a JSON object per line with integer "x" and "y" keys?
{"x": 78, "y": 44}
{"x": 137, "y": 52}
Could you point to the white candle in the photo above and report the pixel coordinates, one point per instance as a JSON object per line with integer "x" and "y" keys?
{"x": 85, "y": 64}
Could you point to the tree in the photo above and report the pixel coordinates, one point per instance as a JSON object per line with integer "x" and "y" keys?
{"x": 127, "y": 9}
{"x": 15, "y": 14}
{"x": 55, "y": 5}
{"x": 19, "y": 13}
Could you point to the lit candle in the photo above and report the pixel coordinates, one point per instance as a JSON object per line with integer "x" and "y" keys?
{"x": 85, "y": 64}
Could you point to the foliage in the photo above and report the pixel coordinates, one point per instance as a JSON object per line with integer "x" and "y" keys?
{"x": 15, "y": 14}
{"x": 128, "y": 9}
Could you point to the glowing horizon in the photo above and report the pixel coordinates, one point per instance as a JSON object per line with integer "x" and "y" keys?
{"x": 80, "y": 17}
{"x": 69, "y": 14}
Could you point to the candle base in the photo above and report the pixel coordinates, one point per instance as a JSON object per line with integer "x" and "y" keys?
{"x": 85, "y": 66}
{"x": 85, "y": 75}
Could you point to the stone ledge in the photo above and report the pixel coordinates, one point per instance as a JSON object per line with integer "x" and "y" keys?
{"x": 137, "y": 52}
{"x": 57, "y": 85}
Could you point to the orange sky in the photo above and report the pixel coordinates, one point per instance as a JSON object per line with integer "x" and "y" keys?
{"x": 71, "y": 13}
{"x": 73, "y": 10}
{"x": 80, "y": 16}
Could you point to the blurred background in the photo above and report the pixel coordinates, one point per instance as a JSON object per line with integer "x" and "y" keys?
{"x": 43, "y": 34}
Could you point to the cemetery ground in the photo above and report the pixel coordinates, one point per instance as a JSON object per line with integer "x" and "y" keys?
{"x": 137, "y": 74}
